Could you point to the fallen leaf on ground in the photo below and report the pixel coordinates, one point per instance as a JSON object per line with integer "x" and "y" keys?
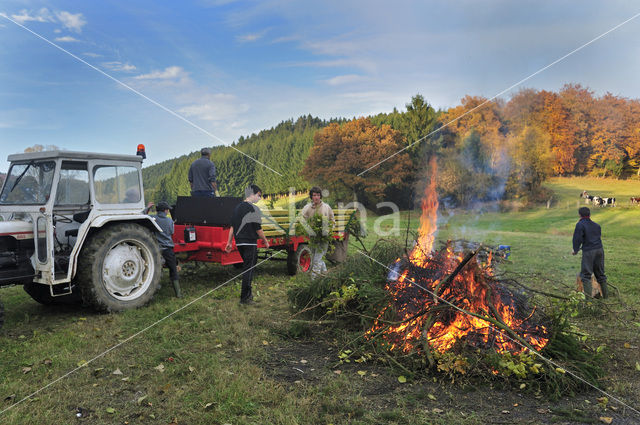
{"x": 141, "y": 399}
{"x": 159, "y": 368}
{"x": 110, "y": 410}
{"x": 605, "y": 419}
{"x": 431, "y": 397}
{"x": 47, "y": 362}
{"x": 402, "y": 379}
{"x": 436, "y": 410}
{"x": 192, "y": 369}
{"x": 337, "y": 372}
{"x": 265, "y": 342}
{"x": 26, "y": 369}
{"x": 117, "y": 372}
{"x": 362, "y": 372}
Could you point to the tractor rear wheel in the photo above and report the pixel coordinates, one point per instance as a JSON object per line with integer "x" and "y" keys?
{"x": 120, "y": 268}
{"x": 299, "y": 260}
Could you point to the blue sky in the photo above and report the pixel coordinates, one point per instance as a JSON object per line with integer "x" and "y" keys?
{"x": 237, "y": 67}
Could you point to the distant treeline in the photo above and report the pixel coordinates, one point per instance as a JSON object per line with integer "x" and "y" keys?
{"x": 487, "y": 150}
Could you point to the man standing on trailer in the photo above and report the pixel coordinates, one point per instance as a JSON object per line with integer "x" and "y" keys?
{"x": 202, "y": 176}
{"x": 246, "y": 228}
{"x": 318, "y": 207}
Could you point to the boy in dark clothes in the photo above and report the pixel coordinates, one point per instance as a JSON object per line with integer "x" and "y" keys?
{"x": 166, "y": 243}
{"x": 246, "y": 228}
{"x": 587, "y": 234}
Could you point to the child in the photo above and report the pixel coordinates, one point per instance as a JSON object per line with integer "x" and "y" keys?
{"x": 166, "y": 243}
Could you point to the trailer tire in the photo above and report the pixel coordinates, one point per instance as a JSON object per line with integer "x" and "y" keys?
{"x": 119, "y": 268}
{"x": 41, "y": 294}
{"x": 299, "y": 260}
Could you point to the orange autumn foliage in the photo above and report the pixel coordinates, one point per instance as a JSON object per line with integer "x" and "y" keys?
{"x": 341, "y": 152}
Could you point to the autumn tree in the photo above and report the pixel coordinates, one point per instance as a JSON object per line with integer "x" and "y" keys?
{"x": 466, "y": 176}
{"x": 610, "y": 135}
{"x": 532, "y": 161}
{"x": 556, "y": 120}
{"x": 341, "y": 152}
{"x": 579, "y": 101}
{"x": 482, "y": 116}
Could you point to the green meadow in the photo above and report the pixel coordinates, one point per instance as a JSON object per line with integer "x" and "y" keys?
{"x": 205, "y": 359}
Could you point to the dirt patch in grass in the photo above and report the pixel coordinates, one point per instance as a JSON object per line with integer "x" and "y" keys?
{"x": 309, "y": 363}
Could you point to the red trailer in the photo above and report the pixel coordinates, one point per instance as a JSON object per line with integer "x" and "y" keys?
{"x": 202, "y": 230}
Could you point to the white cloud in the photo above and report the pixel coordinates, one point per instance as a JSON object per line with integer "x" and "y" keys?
{"x": 92, "y": 55}
{"x": 169, "y": 73}
{"x": 42, "y": 15}
{"x": 248, "y": 38}
{"x": 119, "y": 66}
{"x": 71, "y": 21}
{"x": 66, "y": 39}
{"x": 219, "y": 107}
{"x": 344, "y": 79}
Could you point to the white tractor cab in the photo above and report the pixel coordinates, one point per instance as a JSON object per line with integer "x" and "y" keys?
{"x": 73, "y": 229}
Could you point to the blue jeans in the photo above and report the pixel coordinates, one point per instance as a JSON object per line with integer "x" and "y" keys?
{"x": 203, "y": 193}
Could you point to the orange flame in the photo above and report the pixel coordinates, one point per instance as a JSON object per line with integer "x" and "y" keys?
{"x": 474, "y": 289}
{"x": 428, "y": 219}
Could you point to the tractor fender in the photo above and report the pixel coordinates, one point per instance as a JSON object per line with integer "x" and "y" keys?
{"x": 99, "y": 222}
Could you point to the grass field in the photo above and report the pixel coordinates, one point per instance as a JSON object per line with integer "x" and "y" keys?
{"x": 215, "y": 362}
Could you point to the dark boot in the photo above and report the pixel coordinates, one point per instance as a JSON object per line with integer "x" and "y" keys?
{"x": 176, "y": 287}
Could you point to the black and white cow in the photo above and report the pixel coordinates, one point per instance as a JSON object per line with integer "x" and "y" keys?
{"x": 587, "y": 198}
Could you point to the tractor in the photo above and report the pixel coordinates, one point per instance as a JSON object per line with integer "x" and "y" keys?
{"x": 73, "y": 230}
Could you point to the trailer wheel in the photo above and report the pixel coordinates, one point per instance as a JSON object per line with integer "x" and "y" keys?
{"x": 41, "y": 294}
{"x": 120, "y": 268}
{"x": 299, "y": 260}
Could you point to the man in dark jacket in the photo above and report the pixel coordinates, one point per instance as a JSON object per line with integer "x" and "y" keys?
{"x": 246, "y": 228}
{"x": 166, "y": 243}
{"x": 202, "y": 175}
{"x": 587, "y": 235}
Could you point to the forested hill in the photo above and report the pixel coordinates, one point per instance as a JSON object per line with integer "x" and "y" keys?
{"x": 283, "y": 148}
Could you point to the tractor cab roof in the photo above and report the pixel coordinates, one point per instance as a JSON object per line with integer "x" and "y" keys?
{"x": 20, "y": 157}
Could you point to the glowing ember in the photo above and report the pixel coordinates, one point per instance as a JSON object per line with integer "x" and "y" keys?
{"x": 419, "y": 317}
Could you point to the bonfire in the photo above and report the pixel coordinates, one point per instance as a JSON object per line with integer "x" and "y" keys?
{"x": 450, "y": 298}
